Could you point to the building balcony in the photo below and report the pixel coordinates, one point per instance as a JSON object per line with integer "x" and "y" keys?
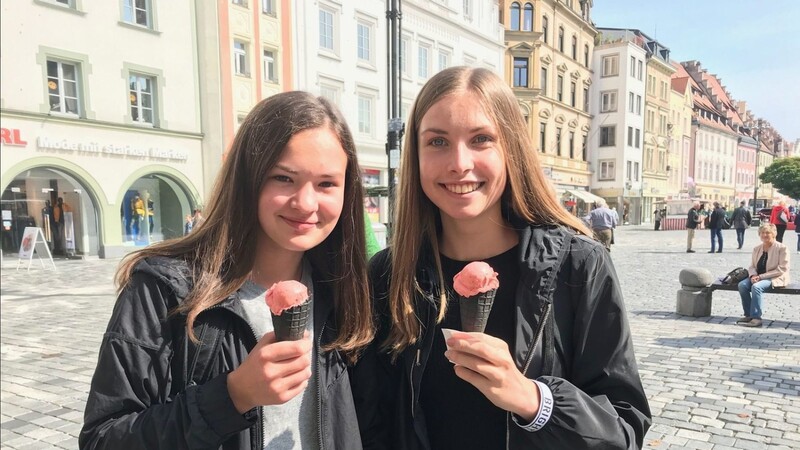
{"x": 533, "y": 37}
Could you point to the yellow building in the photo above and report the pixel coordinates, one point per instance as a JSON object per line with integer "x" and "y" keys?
{"x": 656, "y": 128}
{"x": 549, "y": 46}
{"x": 680, "y": 134}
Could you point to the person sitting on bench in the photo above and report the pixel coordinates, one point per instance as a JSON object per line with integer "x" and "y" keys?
{"x": 769, "y": 268}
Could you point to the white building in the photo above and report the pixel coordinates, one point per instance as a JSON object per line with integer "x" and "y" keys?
{"x": 94, "y": 114}
{"x": 617, "y": 133}
{"x": 341, "y": 53}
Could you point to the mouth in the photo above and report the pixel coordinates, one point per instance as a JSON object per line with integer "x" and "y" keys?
{"x": 462, "y": 188}
{"x": 299, "y": 224}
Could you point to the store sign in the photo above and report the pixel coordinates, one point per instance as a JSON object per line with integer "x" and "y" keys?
{"x": 12, "y": 136}
{"x": 109, "y": 150}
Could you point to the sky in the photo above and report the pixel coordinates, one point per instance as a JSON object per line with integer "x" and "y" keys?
{"x": 753, "y": 47}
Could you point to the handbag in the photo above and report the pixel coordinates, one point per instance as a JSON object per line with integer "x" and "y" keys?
{"x": 735, "y": 276}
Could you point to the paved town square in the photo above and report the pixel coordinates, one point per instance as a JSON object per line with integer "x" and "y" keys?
{"x": 711, "y": 384}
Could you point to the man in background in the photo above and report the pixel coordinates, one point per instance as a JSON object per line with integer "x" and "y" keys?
{"x": 692, "y": 222}
{"x": 603, "y": 221}
{"x": 741, "y": 219}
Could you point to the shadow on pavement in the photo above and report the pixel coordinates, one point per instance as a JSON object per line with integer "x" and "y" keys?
{"x": 770, "y": 379}
{"x": 742, "y": 338}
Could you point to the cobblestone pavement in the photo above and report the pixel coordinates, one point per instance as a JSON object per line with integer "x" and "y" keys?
{"x": 711, "y": 384}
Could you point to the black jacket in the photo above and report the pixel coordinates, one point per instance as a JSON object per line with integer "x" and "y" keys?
{"x": 717, "y": 219}
{"x": 692, "y": 219}
{"x": 139, "y": 398}
{"x": 741, "y": 218}
{"x": 585, "y": 355}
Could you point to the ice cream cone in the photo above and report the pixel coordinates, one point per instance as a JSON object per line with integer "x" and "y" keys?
{"x": 291, "y": 323}
{"x": 475, "y": 311}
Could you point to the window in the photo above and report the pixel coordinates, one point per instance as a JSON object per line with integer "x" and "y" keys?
{"x": 545, "y": 23}
{"x": 268, "y": 7}
{"x": 586, "y": 99}
{"x": 561, "y": 39}
{"x": 513, "y": 24}
{"x": 633, "y": 66}
{"x": 607, "y": 136}
{"x": 239, "y": 2}
{"x": 520, "y": 72}
{"x": 404, "y": 56}
{"x": 572, "y": 94}
{"x": 364, "y": 114}
{"x": 364, "y": 37}
{"x": 630, "y": 136}
{"x": 331, "y": 91}
{"x": 637, "y": 141}
{"x": 542, "y": 136}
{"x": 639, "y": 64}
{"x": 635, "y": 171}
{"x": 631, "y": 106}
{"x": 583, "y": 147}
{"x": 558, "y": 141}
{"x": 560, "y": 88}
{"x": 136, "y": 12}
{"x": 574, "y": 47}
{"x": 639, "y": 105}
{"x": 628, "y": 169}
{"x": 607, "y": 170}
{"x": 240, "y": 58}
{"x": 608, "y": 101}
{"x": 141, "y": 98}
{"x": 270, "y": 74}
{"x": 468, "y": 9}
{"x": 423, "y": 61}
{"x": 543, "y": 81}
{"x": 62, "y": 87}
{"x": 527, "y": 18}
{"x": 610, "y": 66}
{"x": 572, "y": 145}
{"x": 326, "y": 29}
{"x": 586, "y": 55}
{"x": 444, "y": 60}
{"x": 67, "y": 3}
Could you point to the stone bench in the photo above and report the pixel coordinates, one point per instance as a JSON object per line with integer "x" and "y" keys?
{"x": 697, "y": 285}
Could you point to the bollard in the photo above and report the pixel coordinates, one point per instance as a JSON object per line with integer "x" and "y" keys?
{"x": 693, "y": 298}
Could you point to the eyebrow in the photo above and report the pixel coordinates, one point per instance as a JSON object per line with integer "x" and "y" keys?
{"x": 295, "y": 172}
{"x": 473, "y": 130}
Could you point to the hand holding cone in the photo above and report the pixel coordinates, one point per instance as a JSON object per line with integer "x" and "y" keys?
{"x": 477, "y": 285}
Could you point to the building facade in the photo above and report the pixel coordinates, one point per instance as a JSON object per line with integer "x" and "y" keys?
{"x": 101, "y": 142}
{"x": 680, "y": 136}
{"x": 615, "y": 146}
{"x": 549, "y": 48}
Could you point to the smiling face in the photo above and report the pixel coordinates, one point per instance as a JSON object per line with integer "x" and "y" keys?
{"x": 461, "y": 163}
{"x": 767, "y": 236}
{"x": 302, "y": 198}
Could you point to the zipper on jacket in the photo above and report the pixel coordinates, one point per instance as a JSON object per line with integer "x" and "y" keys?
{"x": 528, "y": 360}
{"x": 319, "y": 386}
{"x": 411, "y": 379}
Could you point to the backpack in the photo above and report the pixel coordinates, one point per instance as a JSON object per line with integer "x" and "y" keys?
{"x": 735, "y": 276}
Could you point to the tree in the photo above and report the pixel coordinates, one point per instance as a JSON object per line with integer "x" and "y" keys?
{"x": 784, "y": 174}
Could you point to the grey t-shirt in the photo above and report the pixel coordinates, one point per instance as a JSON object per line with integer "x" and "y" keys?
{"x": 292, "y": 425}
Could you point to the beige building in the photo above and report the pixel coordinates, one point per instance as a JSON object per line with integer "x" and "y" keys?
{"x": 680, "y": 135}
{"x": 657, "y": 127}
{"x": 549, "y": 47}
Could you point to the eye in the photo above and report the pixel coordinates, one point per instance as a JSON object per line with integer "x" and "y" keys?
{"x": 437, "y": 142}
{"x": 282, "y": 178}
{"x": 328, "y": 184}
{"x": 482, "y": 139}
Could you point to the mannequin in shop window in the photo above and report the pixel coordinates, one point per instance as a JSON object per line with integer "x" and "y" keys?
{"x": 137, "y": 209}
{"x": 48, "y": 222}
{"x": 58, "y": 225}
{"x": 151, "y": 210}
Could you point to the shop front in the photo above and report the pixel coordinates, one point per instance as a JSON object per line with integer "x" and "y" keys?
{"x": 96, "y": 191}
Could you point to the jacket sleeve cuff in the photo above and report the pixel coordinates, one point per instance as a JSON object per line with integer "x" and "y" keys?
{"x": 545, "y": 410}
{"x": 217, "y": 409}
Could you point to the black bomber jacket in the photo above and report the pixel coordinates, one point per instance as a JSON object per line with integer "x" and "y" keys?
{"x": 583, "y": 352}
{"x": 140, "y": 400}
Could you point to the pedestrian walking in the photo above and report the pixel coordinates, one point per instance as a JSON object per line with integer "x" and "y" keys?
{"x": 657, "y": 219}
{"x": 472, "y": 189}
{"x": 693, "y": 221}
{"x": 603, "y": 221}
{"x": 716, "y": 223}
{"x": 288, "y": 206}
{"x": 779, "y": 217}
{"x": 769, "y": 267}
{"x": 741, "y": 220}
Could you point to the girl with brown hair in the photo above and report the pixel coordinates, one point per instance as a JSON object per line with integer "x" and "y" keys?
{"x": 555, "y": 367}
{"x": 287, "y": 205}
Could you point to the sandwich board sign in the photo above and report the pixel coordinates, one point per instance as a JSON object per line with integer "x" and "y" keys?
{"x": 33, "y": 241}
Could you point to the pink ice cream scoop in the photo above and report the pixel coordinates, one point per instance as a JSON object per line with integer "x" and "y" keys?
{"x": 476, "y": 278}
{"x": 284, "y": 295}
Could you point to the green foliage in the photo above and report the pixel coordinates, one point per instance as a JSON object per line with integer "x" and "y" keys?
{"x": 784, "y": 174}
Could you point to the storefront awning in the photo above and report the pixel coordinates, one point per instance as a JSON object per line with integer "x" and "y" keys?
{"x": 586, "y": 196}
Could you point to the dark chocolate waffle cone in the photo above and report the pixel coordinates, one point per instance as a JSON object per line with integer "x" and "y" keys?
{"x": 475, "y": 311}
{"x": 291, "y": 324}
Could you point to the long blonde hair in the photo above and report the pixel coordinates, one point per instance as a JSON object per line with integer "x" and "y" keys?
{"x": 528, "y": 195}
{"x": 221, "y": 251}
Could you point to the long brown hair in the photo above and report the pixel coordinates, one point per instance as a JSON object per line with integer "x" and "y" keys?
{"x": 528, "y": 195}
{"x": 221, "y": 252}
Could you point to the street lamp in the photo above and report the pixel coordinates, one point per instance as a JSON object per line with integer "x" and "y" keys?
{"x": 395, "y": 128}
{"x": 755, "y": 181}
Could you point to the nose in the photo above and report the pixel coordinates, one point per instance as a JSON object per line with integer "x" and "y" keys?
{"x": 305, "y": 198}
{"x": 461, "y": 160}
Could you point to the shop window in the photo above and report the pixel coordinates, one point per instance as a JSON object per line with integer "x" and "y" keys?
{"x": 154, "y": 208}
